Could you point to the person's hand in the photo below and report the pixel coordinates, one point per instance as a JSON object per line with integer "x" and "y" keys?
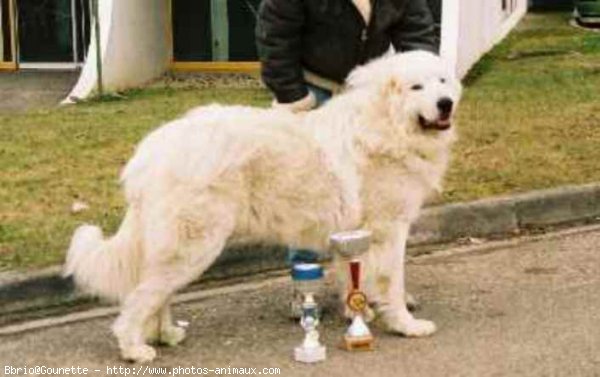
{"x": 305, "y": 104}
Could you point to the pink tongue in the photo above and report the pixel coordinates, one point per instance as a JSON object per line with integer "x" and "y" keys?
{"x": 442, "y": 124}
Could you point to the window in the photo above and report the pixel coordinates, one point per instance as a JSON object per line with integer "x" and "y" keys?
{"x": 52, "y": 31}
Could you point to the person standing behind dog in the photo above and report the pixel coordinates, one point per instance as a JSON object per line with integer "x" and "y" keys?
{"x": 308, "y": 47}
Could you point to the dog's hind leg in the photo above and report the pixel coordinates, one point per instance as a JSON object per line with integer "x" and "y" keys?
{"x": 170, "y": 333}
{"x": 181, "y": 248}
{"x": 160, "y": 328}
{"x": 412, "y": 304}
{"x": 390, "y": 291}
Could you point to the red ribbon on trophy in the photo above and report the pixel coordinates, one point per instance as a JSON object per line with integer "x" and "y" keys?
{"x": 356, "y": 300}
{"x": 350, "y": 245}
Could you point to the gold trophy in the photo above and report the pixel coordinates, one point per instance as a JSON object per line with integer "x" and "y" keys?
{"x": 350, "y": 245}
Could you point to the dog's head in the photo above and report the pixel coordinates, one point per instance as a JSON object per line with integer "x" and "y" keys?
{"x": 417, "y": 87}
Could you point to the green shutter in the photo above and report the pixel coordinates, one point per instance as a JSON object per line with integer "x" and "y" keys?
{"x": 220, "y": 30}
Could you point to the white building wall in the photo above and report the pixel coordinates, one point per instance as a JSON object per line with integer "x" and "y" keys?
{"x": 135, "y": 45}
{"x": 470, "y": 28}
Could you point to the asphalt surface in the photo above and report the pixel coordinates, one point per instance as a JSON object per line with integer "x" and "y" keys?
{"x": 25, "y": 90}
{"x": 530, "y": 309}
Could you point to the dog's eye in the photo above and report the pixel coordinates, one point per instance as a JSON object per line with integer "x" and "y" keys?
{"x": 416, "y": 87}
{"x": 443, "y": 80}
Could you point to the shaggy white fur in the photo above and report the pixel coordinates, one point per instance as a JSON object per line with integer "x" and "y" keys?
{"x": 224, "y": 175}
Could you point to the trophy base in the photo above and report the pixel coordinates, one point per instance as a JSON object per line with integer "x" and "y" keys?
{"x": 309, "y": 355}
{"x": 359, "y": 343}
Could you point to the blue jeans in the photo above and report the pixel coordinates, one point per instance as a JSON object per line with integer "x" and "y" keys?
{"x": 304, "y": 255}
{"x": 322, "y": 95}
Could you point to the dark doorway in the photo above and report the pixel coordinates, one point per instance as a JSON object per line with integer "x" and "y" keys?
{"x": 210, "y": 30}
{"x": 242, "y": 21}
{"x": 191, "y": 30}
{"x": 53, "y": 31}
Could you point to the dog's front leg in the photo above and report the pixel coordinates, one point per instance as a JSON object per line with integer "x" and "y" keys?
{"x": 390, "y": 293}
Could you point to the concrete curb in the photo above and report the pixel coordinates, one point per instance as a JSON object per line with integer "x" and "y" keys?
{"x": 31, "y": 295}
{"x": 507, "y": 214}
{"x": 262, "y": 280}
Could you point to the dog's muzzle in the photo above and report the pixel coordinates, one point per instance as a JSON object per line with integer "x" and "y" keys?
{"x": 443, "y": 122}
{"x": 440, "y": 124}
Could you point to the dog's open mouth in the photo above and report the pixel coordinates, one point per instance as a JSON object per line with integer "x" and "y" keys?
{"x": 442, "y": 123}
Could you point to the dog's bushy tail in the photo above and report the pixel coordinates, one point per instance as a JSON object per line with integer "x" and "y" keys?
{"x": 101, "y": 267}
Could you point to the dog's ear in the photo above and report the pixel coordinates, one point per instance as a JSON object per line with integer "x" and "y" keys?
{"x": 359, "y": 77}
{"x": 373, "y": 73}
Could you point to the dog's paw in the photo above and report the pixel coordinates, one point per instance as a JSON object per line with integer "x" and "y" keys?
{"x": 413, "y": 327}
{"x": 139, "y": 354}
{"x": 172, "y": 336}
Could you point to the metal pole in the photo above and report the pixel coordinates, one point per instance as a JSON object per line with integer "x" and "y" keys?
{"x": 98, "y": 47}
{"x": 75, "y": 49}
{"x": 1, "y": 35}
{"x": 14, "y": 31}
{"x": 82, "y": 34}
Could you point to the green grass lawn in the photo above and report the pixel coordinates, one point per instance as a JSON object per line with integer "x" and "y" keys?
{"x": 530, "y": 115}
{"x": 529, "y": 120}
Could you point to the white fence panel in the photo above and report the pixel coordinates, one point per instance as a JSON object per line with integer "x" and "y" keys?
{"x": 470, "y": 28}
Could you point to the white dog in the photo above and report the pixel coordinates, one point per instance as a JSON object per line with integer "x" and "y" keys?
{"x": 224, "y": 175}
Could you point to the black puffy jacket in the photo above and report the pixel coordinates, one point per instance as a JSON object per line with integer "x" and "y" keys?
{"x": 330, "y": 38}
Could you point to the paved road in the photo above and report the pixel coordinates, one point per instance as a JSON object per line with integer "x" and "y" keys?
{"x": 24, "y": 90}
{"x": 528, "y": 310}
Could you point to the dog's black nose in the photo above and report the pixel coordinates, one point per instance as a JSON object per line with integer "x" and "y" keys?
{"x": 445, "y": 105}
